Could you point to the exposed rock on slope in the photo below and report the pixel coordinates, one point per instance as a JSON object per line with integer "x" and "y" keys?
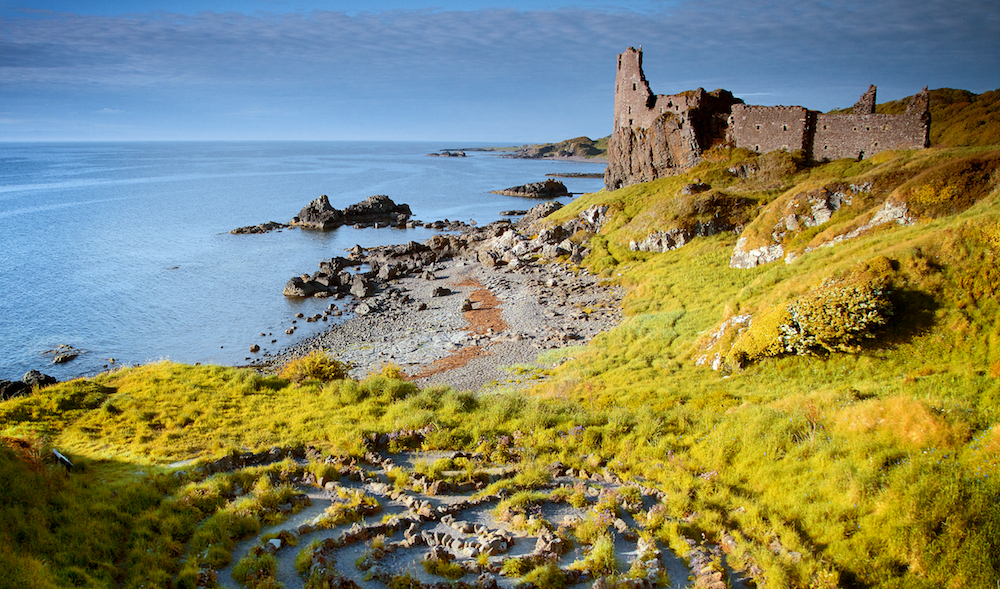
{"x": 699, "y": 212}
{"x": 802, "y": 211}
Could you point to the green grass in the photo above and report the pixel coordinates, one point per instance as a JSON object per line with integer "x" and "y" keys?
{"x": 863, "y": 462}
{"x": 864, "y": 439}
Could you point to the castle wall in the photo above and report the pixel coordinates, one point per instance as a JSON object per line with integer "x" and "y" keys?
{"x": 863, "y": 135}
{"x": 767, "y": 128}
{"x": 657, "y": 135}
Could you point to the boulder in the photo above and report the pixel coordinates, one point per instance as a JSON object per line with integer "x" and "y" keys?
{"x": 34, "y": 378}
{"x": 360, "y": 286}
{"x": 378, "y": 209}
{"x": 297, "y": 287}
{"x": 319, "y": 214}
{"x": 11, "y": 389}
{"x": 547, "y": 189}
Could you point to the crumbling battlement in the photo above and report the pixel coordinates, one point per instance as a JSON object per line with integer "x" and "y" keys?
{"x": 658, "y": 135}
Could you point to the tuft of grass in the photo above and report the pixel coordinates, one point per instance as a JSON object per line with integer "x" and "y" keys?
{"x": 441, "y": 568}
{"x": 316, "y": 366}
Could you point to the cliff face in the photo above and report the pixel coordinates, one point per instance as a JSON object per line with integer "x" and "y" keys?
{"x": 641, "y": 155}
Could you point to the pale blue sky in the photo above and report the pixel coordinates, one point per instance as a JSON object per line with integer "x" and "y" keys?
{"x": 469, "y": 71}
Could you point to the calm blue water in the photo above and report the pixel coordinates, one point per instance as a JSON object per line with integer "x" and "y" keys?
{"x": 123, "y": 249}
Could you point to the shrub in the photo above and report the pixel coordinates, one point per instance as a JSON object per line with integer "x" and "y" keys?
{"x": 316, "y": 366}
{"x": 836, "y": 317}
{"x": 304, "y": 559}
{"x": 601, "y": 560}
{"x": 392, "y": 370}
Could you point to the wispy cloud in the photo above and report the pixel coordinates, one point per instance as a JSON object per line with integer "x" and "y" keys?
{"x": 435, "y": 63}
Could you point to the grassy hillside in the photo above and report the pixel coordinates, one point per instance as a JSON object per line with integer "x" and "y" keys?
{"x": 833, "y": 421}
{"x": 878, "y": 454}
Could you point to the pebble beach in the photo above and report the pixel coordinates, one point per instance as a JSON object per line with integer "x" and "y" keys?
{"x": 492, "y": 318}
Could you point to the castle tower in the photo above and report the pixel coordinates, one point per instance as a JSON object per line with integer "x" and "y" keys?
{"x": 866, "y": 105}
{"x": 633, "y": 98}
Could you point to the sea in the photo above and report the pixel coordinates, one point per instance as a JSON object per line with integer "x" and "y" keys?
{"x": 123, "y": 251}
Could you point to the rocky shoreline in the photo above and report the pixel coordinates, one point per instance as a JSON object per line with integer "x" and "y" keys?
{"x": 458, "y": 308}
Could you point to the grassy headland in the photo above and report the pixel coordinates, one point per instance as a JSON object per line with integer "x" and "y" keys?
{"x": 848, "y": 436}
{"x": 584, "y": 147}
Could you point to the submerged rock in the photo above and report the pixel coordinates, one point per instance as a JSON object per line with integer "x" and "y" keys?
{"x": 257, "y": 229}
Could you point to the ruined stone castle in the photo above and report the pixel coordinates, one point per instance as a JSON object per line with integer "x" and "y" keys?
{"x": 657, "y": 135}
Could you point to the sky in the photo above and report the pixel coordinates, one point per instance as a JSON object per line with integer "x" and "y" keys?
{"x": 498, "y": 71}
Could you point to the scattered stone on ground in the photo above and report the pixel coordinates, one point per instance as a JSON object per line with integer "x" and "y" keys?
{"x": 515, "y": 315}
{"x": 413, "y": 517}
{"x": 457, "y": 308}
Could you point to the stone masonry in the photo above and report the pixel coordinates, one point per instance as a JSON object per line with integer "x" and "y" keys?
{"x": 659, "y": 135}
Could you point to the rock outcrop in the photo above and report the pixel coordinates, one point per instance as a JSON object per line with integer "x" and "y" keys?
{"x": 63, "y": 353}
{"x": 803, "y": 211}
{"x": 10, "y": 389}
{"x": 548, "y": 189}
{"x": 705, "y": 213}
{"x": 378, "y": 209}
{"x": 34, "y": 378}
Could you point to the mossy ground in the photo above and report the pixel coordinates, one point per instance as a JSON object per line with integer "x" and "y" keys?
{"x": 872, "y": 464}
